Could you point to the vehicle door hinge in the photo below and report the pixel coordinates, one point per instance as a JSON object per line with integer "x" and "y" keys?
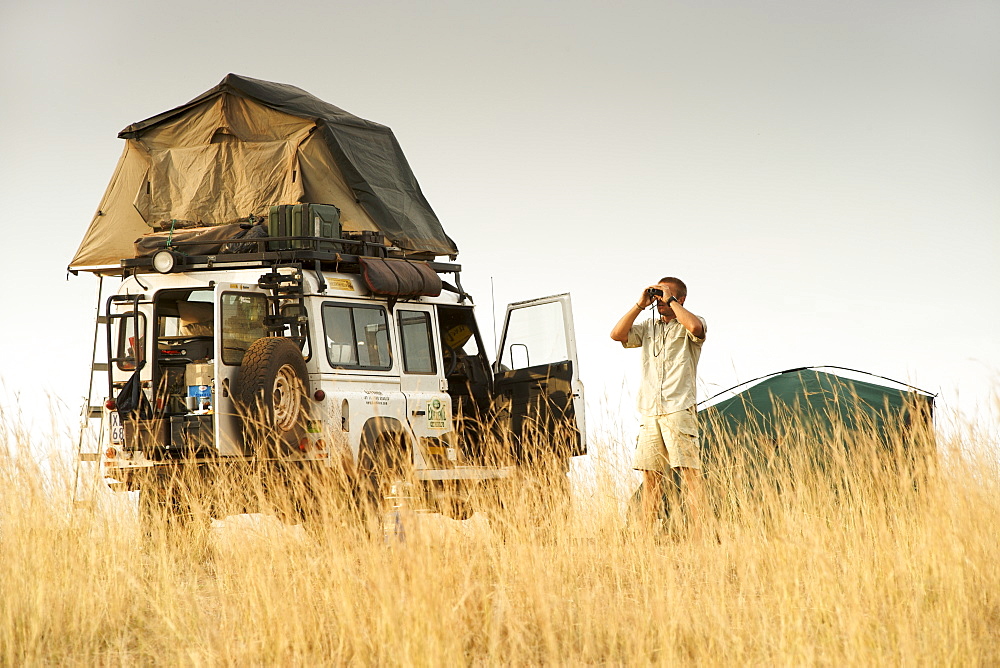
{"x": 443, "y": 384}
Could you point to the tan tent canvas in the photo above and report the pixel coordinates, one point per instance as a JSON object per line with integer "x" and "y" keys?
{"x": 246, "y": 145}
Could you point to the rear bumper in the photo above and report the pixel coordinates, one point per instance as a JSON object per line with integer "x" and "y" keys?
{"x": 466, "y": 473}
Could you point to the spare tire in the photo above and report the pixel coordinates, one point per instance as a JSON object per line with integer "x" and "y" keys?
{"x": 271, "y": 395}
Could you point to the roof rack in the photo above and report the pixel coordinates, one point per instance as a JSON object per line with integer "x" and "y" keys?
{"x": 266, "y": 255}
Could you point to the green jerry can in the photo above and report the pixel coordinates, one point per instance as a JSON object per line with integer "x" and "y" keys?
{"x": 319, "y": 222}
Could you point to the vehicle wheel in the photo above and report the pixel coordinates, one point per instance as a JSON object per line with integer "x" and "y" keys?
{"x": 530, "y": 503}
{"x": 154, "y": 506}
{"x": 453, "y": 499}
{"x": 168, "y": 502}
{"x": 382, "y": 463}
{"x": 271, "y": 395}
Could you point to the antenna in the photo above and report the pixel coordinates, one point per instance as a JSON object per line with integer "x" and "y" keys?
{"x": 493, "y": 315}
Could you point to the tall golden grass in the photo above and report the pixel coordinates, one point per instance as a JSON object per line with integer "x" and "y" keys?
{"x": 874, "y": 560}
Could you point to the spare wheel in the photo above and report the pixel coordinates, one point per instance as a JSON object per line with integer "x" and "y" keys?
{"x": 271, "y": 391}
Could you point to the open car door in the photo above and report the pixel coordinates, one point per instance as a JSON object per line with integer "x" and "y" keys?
{"x": 537, "y": 388}
{"x": 240, "y": 311}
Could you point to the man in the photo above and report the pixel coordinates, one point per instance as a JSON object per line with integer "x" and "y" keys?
{"x": 671, "y": 345}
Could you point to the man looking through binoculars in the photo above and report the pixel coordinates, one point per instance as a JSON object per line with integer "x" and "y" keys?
{"x": 671, "y": 346}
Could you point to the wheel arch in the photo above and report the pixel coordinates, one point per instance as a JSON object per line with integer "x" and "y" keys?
{"x": 377, "y": 427}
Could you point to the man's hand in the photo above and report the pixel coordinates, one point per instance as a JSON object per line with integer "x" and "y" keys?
{"x": 620, "y": 331}
{"x": 646, "y": 299}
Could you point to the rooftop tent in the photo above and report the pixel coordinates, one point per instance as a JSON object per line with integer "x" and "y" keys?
{"x": 245, "y": 145}
{"x": 822, "y": 401}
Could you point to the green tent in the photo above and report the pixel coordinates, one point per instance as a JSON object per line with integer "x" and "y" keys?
{"x": 806, "y": 414}
{"x": 770, "y": 416}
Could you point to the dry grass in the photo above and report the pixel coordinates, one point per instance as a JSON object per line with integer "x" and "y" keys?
{"x": 853, "y": 566}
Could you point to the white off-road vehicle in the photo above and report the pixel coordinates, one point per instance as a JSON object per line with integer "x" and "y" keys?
{"x": 282, "y": 304}
{"x": 304, "y": 356}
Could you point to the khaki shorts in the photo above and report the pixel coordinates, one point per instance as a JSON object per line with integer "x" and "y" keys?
{"x": 668, "y": 441}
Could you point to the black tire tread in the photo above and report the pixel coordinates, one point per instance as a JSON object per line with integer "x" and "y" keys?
{"x": 261, "y": 362}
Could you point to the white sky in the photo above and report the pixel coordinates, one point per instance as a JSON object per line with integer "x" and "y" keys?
{"x": 823, "y": 175}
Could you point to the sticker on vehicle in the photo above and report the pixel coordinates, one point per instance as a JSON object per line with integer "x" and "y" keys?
{"x": 437, "y": 418}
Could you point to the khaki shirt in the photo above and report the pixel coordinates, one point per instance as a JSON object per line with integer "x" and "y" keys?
{"x": 669, "y": 365}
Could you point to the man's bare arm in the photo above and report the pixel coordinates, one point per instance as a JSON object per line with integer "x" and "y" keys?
{"x": 689, "y": 320}
{"x": 620, "y": 331}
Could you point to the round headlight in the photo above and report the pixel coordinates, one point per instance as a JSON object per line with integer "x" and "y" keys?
{"x": 164, "y": 261}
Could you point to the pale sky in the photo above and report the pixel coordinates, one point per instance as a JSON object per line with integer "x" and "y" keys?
{"x": 824, "y": 176}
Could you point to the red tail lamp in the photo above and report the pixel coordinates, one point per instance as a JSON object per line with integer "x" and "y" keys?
{"x": 319, "y": 395}
{"x": 111, "y": 404}
{"x": 303, "y": 443}
{"x": 110, "y": 453}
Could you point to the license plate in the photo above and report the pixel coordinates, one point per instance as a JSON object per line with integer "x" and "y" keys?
{"x": 117, "y": 431}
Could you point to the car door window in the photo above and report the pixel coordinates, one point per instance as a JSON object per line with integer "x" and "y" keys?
{"x": 534, "y": 336}
{"x": 242, "y": 315}
{"x": 417, "y": 341}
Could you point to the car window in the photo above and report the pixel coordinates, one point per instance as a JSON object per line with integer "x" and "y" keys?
{"x": 356, "y": 336}
{"x": 242, "y": 316}
{"x": 417, "y": 341}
